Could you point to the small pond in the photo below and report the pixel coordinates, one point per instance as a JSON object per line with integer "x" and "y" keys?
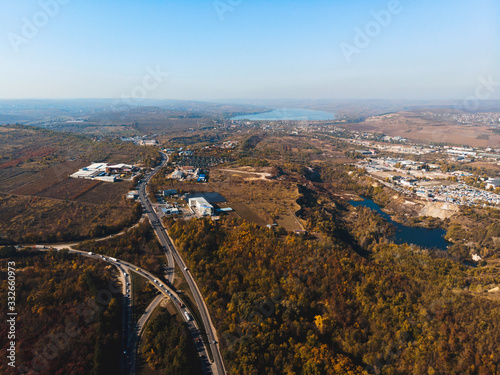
{"x": 423, "y": 237}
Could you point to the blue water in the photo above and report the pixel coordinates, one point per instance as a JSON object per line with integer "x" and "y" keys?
{"x": 292, "y": 114}
{"x": 423, "y": 237}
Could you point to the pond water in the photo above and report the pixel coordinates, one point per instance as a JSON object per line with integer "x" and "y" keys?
{"x": 423, "y": 237}
{"x": 291, "y": 114}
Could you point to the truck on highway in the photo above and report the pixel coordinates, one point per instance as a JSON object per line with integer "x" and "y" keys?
{"x": 113, "y": 259}
{"x": 188, "y": 316}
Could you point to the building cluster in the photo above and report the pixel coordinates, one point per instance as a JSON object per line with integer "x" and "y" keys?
{"x": 189, "y": 173}
{"x": 227, "y": 145}
{"x": 400, "y": 165}
{"x": 459, "y": 194}
{"x": 199, "y": 161}
{"x": 141, "y": 141}
{"x": 105, "y": 172}
{"x": 492, "y": 183}
{"x": 411, "y": 177}
{"x": 486, "y": 118}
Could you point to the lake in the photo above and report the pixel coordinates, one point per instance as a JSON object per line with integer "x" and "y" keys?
{"x": 423, "y": 237}
{"x": 291, "y": 114}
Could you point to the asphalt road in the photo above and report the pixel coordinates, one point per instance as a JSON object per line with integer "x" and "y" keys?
{"x": 170, "y": 251}
{"x": 166, "y": 290}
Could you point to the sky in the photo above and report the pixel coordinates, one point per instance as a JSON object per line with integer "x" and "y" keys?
{"x": 233, "y": 49}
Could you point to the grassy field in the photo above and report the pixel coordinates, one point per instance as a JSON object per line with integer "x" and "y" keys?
{"x": 28, "y": 219}
{"x": 44, "y": 180}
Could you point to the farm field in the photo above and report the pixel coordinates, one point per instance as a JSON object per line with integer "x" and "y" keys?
{"x": 13, "y": 178}
{"x": 35, "y": 219}
{"x": 54, "y": 183}
{"x": 106, "y": 193}
{"x": 246, "y": 212}
{"x": 39, "y": 182}
{"x": 413, "y": 126}
{"x": 40, "y": 202}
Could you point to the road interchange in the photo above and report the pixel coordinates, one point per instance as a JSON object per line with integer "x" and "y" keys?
{"x": 132, "y": 335}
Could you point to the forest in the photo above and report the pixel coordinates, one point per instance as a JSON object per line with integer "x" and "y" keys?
{"x": 295, "y": 306}
{"x": 169, "y": 348}
{"x": 138, "y": 246}
{"x": 68, "y": 314}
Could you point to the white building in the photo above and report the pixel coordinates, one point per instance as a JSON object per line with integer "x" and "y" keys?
{"x": 493, "y": 183}
{"x": 106, "y": 178}
{"x": 148, "y": 142}
{"x": 177, "y": 175}
{"x": 102, "y": 171}
{"x": 202, "y": 206}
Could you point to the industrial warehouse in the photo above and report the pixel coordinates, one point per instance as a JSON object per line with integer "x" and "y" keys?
{"x": 201, "y": 206}
{"x": 105, "y": 172}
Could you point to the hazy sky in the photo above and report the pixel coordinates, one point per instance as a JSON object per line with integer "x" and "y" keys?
{"x": 249, "y": 49}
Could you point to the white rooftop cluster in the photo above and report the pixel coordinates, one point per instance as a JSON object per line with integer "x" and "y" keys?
{"x": 102, "y": 171}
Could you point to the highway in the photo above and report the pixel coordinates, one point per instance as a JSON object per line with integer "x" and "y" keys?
{"x": 184, "y": 312}
{"x": 127, "y": 313}
{"x": 153, "y": 218}
{"x": 171, "y": 252}
{"x": 132, "y": 335}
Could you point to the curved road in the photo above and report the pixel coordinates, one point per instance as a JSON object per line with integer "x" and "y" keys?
{"x": 186, "y": 314}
